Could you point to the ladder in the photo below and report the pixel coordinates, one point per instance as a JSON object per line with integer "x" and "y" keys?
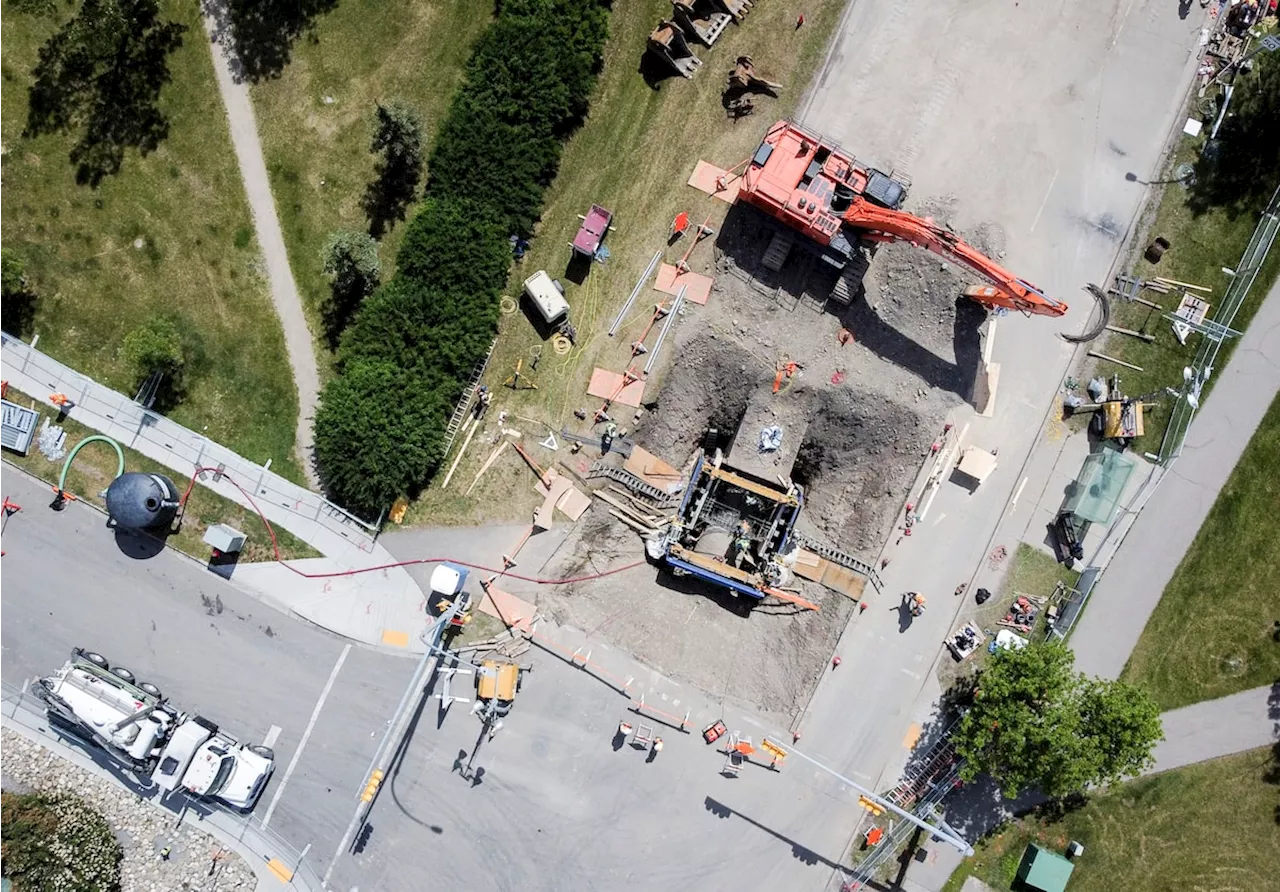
{"x": 779, "y": 247}
{"x": 938, "y": 766}
{"x": 836, "y": 556}
{"x": 464, "y": 403}
{"x": 633, "y": 483}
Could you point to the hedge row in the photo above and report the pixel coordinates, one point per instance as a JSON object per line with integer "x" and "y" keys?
{"x": 408, "y": 354}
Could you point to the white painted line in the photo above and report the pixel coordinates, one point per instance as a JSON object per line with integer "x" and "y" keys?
{"x": 915, "y": 675}
{"x": 1043, "y": 202}
{"x": 306, "y": 735}
{"x": 941, "y": 517}
{"x": 273, "y": 734}
{"x": 1013, "y": 506}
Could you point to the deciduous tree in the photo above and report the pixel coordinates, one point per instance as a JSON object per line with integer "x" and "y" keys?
{"x": 1037, "y": 723}
{"x": 352, "y": 265}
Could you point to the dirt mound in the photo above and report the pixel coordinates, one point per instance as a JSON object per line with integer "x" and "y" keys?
{"x": 708, "y": 386}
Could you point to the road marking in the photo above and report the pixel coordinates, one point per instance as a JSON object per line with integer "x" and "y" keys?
{"x": 1013, "y": 506}
{"x": 273, "y": 734}
{"x": 306, "y": 735}
{"x": 912, "y": 737}
{"x": 1043, "y": 201}
{"x": 915, "y": 675}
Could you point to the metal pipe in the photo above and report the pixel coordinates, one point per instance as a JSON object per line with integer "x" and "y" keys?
{"x": 648, "y": 271}
{"x": 666, "y": 326}
{"x": 944, "y": 835}
{"x": 431, "y": 637}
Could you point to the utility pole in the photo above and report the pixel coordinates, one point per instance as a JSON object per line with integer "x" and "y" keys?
{"x": 389, "y": 745}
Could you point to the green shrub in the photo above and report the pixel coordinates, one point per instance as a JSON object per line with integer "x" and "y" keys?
{"x": 154, "y": 346}
{"x": 19, "y": 299}
{"x": 410, "y": 350}
{"x": 57, "y": 842}
{"x": 351, "y": 263}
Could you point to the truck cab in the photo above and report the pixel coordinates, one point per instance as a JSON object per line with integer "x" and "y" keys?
{"x": 206, "y": 762}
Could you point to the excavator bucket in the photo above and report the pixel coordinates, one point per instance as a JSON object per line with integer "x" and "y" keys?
{"x": 742, "y": 79}
{"x": 667, "y": 42}
{"x": 700, "y": 20}
{"x": 736, "y": 8}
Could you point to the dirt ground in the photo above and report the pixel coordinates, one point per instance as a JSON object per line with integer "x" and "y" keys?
{"x": 874, "y": 406}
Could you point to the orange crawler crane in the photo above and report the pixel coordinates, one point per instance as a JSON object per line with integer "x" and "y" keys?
{"x": 816, "y": 187}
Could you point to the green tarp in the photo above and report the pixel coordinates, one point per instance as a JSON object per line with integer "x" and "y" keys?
{"x": 1099, "y": 485}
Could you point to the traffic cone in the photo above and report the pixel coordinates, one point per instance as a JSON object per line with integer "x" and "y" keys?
{"x": 836, "y": 661}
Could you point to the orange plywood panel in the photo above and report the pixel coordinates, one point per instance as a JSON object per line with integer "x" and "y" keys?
{"x": 697, "y": 287}
{"x": 704, "y": 180}
{"x": 604, "y": 384}
{"x": 508, "y": 608}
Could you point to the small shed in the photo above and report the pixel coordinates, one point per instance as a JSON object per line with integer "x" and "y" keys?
{"x": 1044, "y": 870}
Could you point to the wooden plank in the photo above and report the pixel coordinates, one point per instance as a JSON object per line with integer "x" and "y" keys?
{"x": 651, "y": 469}
{"x": 714, "y": 566}
{"x": 844, "y": 581}
{"x": 604, "y": 384}
{"x": 1129, "y": 331}
{"x": 573, "y": 503}
{"x": 750, "y": 486}
{"x": 1128, "y": 365}
{"x": 1165, "y": 281}
{"x": 648, "y": 520}
{"x": 810, "y": 566}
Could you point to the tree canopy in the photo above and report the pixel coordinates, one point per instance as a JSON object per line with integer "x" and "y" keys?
{"x": 419, "y": 337}
{"x": 1037, "y": 723}
{"x": 352, "y": 265}
{"x": 100, "y": 76}
{"x": 397, "y": 139}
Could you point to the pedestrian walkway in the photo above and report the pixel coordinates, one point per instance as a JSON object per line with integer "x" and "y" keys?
{"x": 253, "y": 171}
{"x": 1128, "y": 592}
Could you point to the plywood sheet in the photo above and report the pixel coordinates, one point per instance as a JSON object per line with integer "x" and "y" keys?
{"x": 508, "y": 608}
{"x": 604, "y": 384}
{"x": 574, "y": 503}
{"x": 697, "y": 287}
{"x": 704, "y": 180}
{"x": 651, "y": 469}
{"x": 809, "y": 566}
{"x": 843, "y": 580}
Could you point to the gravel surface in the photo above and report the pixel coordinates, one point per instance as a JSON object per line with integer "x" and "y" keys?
{"x": 196, "y": 861}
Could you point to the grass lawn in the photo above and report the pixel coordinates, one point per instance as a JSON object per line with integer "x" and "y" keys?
{"x": 170, "y": 234}
{"x": 1211, "y": 826}
{"x": 1201, "y": 246}
{"x": 316, "y": 119}
{"x": 633, "y": 155}
{"x": 95, "y": 467}
{"x": 1212, "y": 632}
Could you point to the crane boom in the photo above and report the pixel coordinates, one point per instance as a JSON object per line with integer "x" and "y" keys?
{"x": 815, "y": 187}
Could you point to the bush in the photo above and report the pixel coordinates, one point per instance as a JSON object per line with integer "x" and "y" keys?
{"x": 379, "y": 433}
{"x": 154, "y": 346}
{"x": 397, "y": 137}
{"x": 352, "y": 265}
{"x": 57, "y": 842}
{"x": 527, "y": 87}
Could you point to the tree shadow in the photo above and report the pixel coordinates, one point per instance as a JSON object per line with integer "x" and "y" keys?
{"x": 19, "y": 309}
{"x": 264, "y": 32}
{"x": 387, "y": 198}
{"x": 102, "y": 81}
{"x": 1236, "y": 172}
{"x": 1272, "y": 773}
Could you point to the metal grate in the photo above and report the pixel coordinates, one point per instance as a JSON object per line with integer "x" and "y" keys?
{"x": 19, "y": 427}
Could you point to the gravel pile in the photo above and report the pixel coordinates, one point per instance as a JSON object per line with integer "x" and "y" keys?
{"x": 195, "y": 860}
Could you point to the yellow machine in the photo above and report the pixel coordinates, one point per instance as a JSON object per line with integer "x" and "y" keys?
{"x": 496, "y": 686}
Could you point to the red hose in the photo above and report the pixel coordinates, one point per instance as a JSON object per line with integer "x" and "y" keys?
{"x": 275, "y": 547}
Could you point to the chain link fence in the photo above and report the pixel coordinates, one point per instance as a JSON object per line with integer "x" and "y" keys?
{"x": 148, "y": 432}
{"x": 1255, "y": 254}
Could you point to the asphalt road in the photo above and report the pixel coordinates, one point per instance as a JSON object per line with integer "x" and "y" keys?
{"x": 1028, "y": 116}
{"x": 209, "y": 647}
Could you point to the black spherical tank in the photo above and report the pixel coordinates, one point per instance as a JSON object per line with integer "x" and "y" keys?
{"x": 142, "y": 501}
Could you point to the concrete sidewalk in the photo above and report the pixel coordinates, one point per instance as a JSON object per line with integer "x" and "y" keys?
{"x": 1128, "y": 592}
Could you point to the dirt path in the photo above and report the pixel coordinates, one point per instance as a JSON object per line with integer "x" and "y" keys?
{"x": 253, "y": 170}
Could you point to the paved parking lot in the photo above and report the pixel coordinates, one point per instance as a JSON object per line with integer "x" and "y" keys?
{"x": 210, "y": 648}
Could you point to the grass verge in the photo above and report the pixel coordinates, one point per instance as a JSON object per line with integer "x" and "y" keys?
{"x": 95, "y": 468}
{"x": 316, "y": 120}
{"x": 1206, "y": 826}
{"x": 170, "y": 235}
{"x": 1202, "y": 246}
{"x": 1213, "y": 632}
{"x": 633, "y": 155}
